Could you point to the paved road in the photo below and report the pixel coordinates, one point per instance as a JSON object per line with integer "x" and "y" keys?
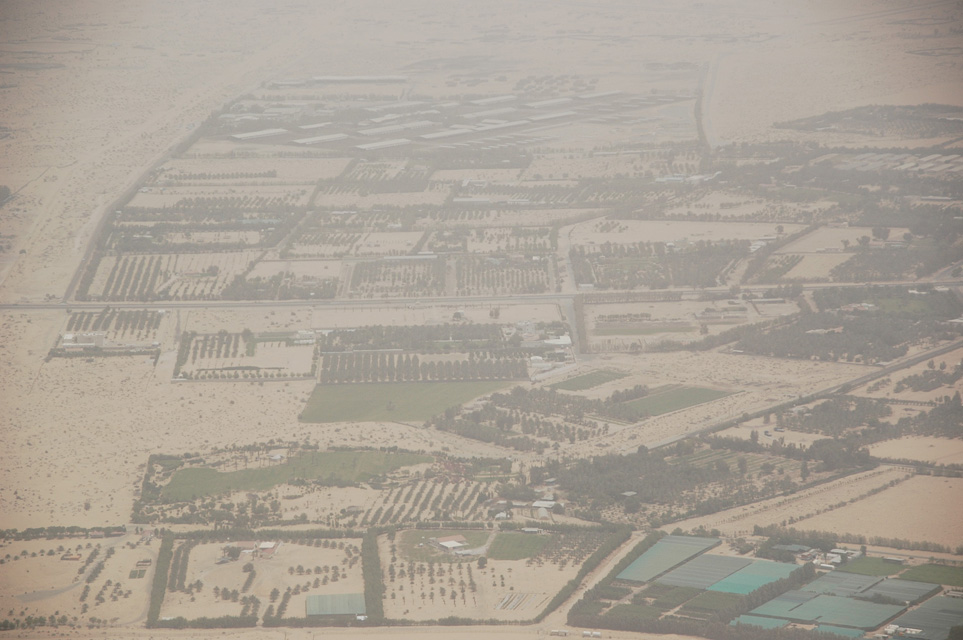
{"x": 534, "y": 298}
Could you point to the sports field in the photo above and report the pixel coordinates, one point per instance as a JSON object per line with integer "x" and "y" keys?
{"x": 868, "y": 566}
{"x": 936, "y": 574}
{"x": 399, "y": 401}
{"x": 516, "y": 546}
{"x": 588, "y": 380}
{"x": 335, "y": 466}
{"x": 674, "y": 399}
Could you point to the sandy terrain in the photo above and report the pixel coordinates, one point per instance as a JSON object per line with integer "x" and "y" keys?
{"x": 45, "y": 583}
{"x": 830, "y": 239}
{"x": 918, "y": 509}
{"x": 758, "y": 382}
{"x": 739, "y": 521}
{"x": 271, "y": 573}
{"x": 886, "y": 388}
{"x": 922, "y": 448}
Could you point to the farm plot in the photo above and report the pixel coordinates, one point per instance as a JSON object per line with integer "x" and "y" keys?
{"x": 324, "y": 244}
{"x": 202, "y": 584}
{"x": 238, "y": 197}
{"x": 212, "y": 237}
{"x": 734, "y": 205}
{"x": 832, "y": 239}
{"x": 589, "y": 380}
{"x": 336, "y": 467}
{"x": 260, "y": 170}
{"x": 503, "y": 217}
{"x": 475, "y": 275}
{"x": 98, "y": 579}
{"x": 633, "y": 231}
{"x": 421, "y": 501}
{"x": 167, "y": 276}
{"x": 287, "y": 279}
{"x": 674, "y": 399}
{"x": 654, "y": 265}
{"x": 396, "y": 243}
{"x": 511, "y": 239}
{"x": 405, "y": 278}
{"x": 140, "y": 326}
{"x": 227, "y": 356}
{"x": 386, "y": 367}
{"x": 424, "y": 583}
{"x": 404, "y": 401}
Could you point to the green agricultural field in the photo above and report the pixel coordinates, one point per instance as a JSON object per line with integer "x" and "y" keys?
{"x": 399, "y": 401}
{"x": 668, "y": 597}
{"x": 755, "y": 462}
{"x": 712, "y": 602}
{"x": 871, "y": 567}
{"x": 588, "y": 380}
{"x": 516, "y": 546}
{"x": 630, "y": 330}
{"x": 935, "y": 573}
{"x": 414, "y": 545}
{"x": 674, "y": 399}
{"x": 341, "y": 467}
{"x": 631, "y": 612}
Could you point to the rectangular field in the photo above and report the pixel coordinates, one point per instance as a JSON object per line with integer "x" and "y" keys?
{"x": 703, "y": 571}
{"x": 415, "y": 401}
{"x": 588, "y": 380}
{"x": 516, "y": 546}
{"x": 675, "y": 399}
{"x": 667, "y": 553}
{"x": 936, "y": 574}
{"x": 345, "y": 466}
{"x": 753, "y": 576}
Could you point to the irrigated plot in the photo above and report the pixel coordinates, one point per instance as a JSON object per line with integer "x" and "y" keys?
{"x": 167, "y": 276}
{"x": 226, "y": 356}
{"x": 398, "y": 277}
{"x": 475, "y": 275}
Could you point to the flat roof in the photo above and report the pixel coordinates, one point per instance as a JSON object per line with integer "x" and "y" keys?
{"x": 384, "y": 144}
{"x": 318, "y": 139}
{"x": 263, "y": 133}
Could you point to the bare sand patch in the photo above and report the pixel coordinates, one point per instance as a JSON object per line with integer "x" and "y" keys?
{"x": 922, "y": 448}
{"x": 831, "y": 239}
{"x": 816, "y": 266}
{"x": 793, "y": 510}
{"x": 920, "y": 509}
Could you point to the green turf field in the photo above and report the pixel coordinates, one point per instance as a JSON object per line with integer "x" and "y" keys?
{"x": 871, "y": 567}
{"x": 516, "y": 546}
{"x": 935, "y": 573}
{"x": 402, "y": 401}
{"x": 336, "y": 466}
{"x": 674, "y": 399}
{"x": 588, "y": 380}
{"x": 414, "y": 545}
